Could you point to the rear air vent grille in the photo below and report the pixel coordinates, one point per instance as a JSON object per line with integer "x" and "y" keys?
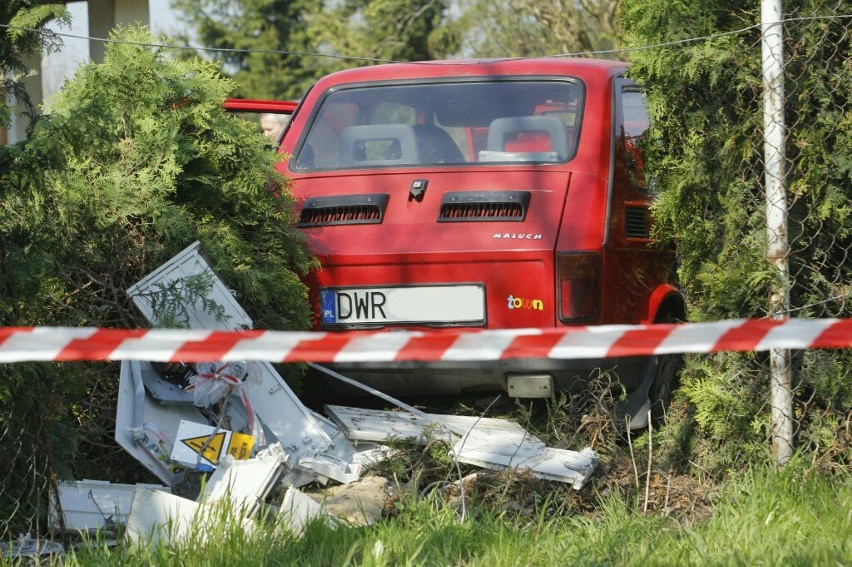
{"x": 636, "y": 222}
{"x": 344, "y": 209}
{"x": 463, "y": 206}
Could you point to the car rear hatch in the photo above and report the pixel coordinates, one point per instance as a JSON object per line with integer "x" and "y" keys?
{"x": 434, "y": 247}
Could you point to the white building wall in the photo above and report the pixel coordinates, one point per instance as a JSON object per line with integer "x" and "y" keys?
{"x": 58, "y": 67}
{"x": 95, "y": 19}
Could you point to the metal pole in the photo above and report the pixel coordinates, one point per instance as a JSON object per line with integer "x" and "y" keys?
{"x": 777, "y": 247}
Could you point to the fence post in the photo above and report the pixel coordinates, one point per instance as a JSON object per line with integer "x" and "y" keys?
{"x": 777, "y": 247}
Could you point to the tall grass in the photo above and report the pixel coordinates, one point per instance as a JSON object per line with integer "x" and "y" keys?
{"x": 762, "y": 517}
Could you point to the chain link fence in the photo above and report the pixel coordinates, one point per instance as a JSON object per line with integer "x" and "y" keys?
{"x": 57, "y": 423}
{"x": 44, "y": 436}
{"x": 818, "y": 173}
{"x": 818, "y": 80}
{"x": 802, "y": 189}
{"x": 25, "y": 472}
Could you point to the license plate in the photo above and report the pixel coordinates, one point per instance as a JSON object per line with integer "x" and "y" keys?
{"x": 439, "y": 304}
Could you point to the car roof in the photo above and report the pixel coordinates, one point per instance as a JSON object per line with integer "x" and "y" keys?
{"x": 584, "y": 68}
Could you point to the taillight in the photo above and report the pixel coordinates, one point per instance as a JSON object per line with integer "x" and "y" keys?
{"x": 578, "y": 286}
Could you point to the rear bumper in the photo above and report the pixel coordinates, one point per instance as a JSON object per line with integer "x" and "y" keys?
{"x": 452, "y": 377}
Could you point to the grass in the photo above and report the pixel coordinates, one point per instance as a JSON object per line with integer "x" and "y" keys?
{"x": 761, "y": 517}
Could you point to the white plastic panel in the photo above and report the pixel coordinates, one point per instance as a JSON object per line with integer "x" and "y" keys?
{"x": 162, "y": 517}
{"x": 93, "y": 505}
{"x": 245, "y": 484}
{"x": 189, "y": 262}
{"x": 379, "y": 425}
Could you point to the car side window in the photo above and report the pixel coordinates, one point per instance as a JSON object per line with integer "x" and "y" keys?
{"x": 632, "y": 124}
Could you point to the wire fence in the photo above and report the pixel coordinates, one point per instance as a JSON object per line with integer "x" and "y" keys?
{"x": 807, "y": 183}
{"x": 36, "y": 447}
{"x": 25, "y": 474}
{"x": 817, "y": 74}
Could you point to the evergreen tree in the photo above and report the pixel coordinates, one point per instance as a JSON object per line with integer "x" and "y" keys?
{"x": 134, "y": 160}
{"x": 255, "y": 29}
{"x": 530, "y": 28}
{"x": 321, "y": 36}
{"x": 147, "y": 161}
{"x": 390, "y": 30}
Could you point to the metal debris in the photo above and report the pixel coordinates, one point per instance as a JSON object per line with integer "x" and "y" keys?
{"x": 495, "y": 444}
{"x": 90, "y": 505}
{"x": 146, "y": 427}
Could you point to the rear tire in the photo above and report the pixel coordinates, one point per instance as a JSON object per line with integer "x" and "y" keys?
{"x": 666, "y": 381}
{"x": 667, "y": 378}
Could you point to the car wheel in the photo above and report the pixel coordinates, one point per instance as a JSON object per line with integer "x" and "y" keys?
{"x": 666, "y": 380}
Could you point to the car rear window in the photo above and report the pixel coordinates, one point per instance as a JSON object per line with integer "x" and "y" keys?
{"x": 442, "y": 124}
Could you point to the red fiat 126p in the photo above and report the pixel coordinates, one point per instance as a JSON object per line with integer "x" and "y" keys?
{"x": 483, "y": 194}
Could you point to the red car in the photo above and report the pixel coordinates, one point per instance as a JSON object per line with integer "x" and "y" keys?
{"x": 482, "y": 194}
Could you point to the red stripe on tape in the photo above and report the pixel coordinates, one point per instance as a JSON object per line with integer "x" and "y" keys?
{"x": 428, "y": 346}
{"x": 533, "y": 346}
{"x": 838, "y": 335}
{"x": 322, "y": 349}
{"x": 99, "y": 345}
{"x": 640, "y": 342}
{"x": 747, "y": 336}
{"x": 18, "y": 344}
{"x": 6, "y": 332}
{"x": 214, "y": 347}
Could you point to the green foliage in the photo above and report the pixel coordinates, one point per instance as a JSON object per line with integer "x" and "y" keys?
{"x": 705, "y": 152}
{"x": 394, "y": 30}
{"x": 150, "y": 162}
{"x": 321, "y": 37}
{"x": 762, "y": 518}
{"x": 250, "y": 27}
{"x": 530, "y": 28}
{"x": 135, "y": 161}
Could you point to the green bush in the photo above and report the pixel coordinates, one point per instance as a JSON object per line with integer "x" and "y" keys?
{"x": 705, "y": 154}
{"x": 134, "y": 161}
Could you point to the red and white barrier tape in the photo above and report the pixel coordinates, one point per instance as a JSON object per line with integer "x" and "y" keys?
{"x": 18, "y": 344}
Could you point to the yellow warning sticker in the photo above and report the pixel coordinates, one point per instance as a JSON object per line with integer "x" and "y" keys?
{"x": 240, "y": 445}
{"x": 211, "y": 446}
{"x": 195, "y": 439}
